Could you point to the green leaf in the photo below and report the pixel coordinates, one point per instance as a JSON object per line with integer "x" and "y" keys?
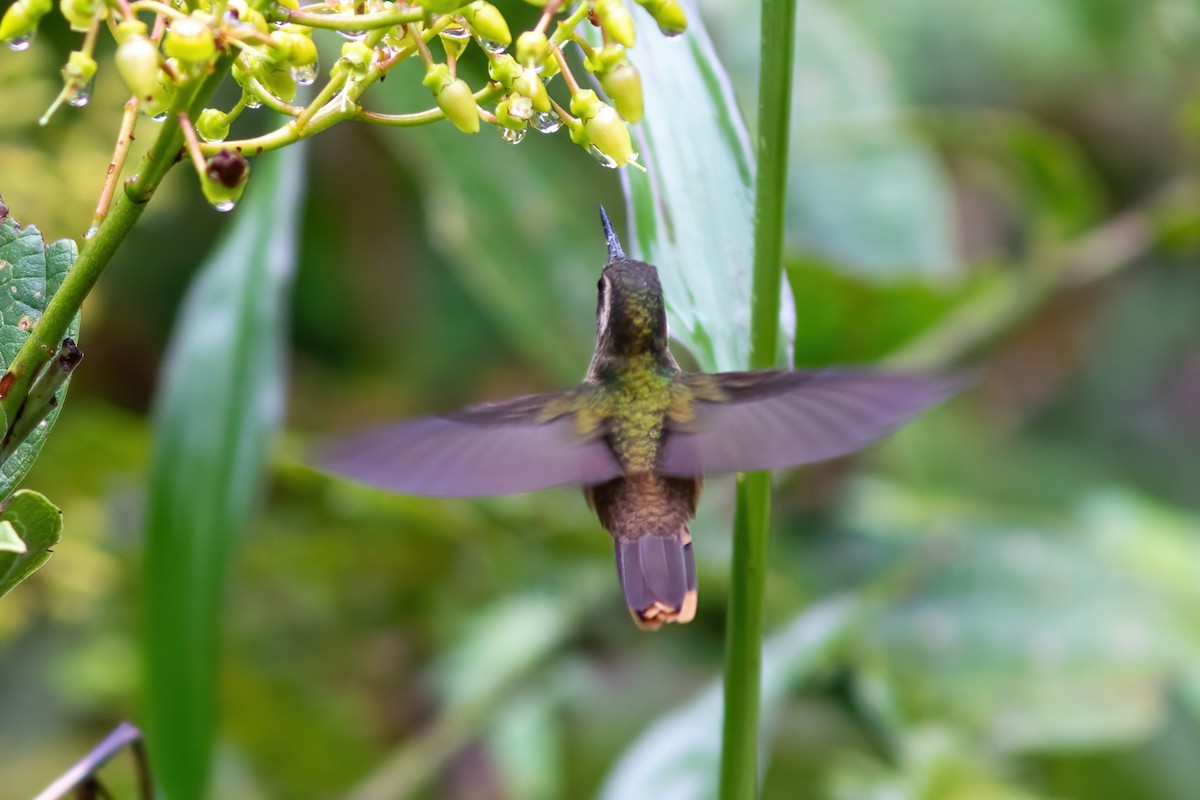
{"x": 528, "y": 253}
{"x": 677, "y": 757}
{"x": 29, "y": 526}
{"x": 30, "y": 273}
{"x": 692, "y": 210}
{"x": 218, "y": 408}
{"x": 865, "y": 191}
{"x": 1039, "y": 635}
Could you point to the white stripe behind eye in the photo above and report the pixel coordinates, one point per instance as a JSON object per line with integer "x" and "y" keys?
{"x": 605, "y": 303}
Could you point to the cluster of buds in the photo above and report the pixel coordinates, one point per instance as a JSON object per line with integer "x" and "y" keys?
{"x": 267, "y": 46}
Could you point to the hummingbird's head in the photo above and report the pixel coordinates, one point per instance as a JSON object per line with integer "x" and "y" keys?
{"x": 630, "y": 314}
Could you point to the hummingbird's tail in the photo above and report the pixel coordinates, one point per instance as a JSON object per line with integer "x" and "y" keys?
{"x": 658, "y": 575}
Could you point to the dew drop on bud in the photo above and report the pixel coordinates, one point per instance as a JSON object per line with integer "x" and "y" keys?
{"x": 456, "y": 32}
{"x": 304, "y": 74}
{"x": 79, "y": 95}
{"x": 252, "y": 101}
{"x": 159, "y": 117}
{"x": 224, "y": 206}
{"x": 546, "y": 121}
{"x": 495, "y": 48}
{"x": 21, "y": 42}
{"x": 511, "y": 136}
{"x": 602, "y": 158}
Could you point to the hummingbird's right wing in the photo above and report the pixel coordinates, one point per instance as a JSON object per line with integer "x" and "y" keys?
{"x": 509, "y": 447}
{"x": 745, "y": 421}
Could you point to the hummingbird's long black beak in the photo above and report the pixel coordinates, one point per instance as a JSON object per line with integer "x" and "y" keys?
{"x": 615, "y": 251}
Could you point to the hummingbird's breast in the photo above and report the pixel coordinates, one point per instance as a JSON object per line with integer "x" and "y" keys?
{"x": 639, "y": 398}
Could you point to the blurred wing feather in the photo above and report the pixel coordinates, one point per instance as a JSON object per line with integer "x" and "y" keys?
{"x": 772, "y": 419}
{"x": 492, "y": 449}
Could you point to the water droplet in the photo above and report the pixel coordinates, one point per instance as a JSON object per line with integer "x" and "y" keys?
{"x": 160, "y": 116}
{"x": 511, "y": 136}
{"x": 456, "y": 32}
{"x": 224, "y": 206}
{"x": 251, "y": 100}
{"x": 673, "y": 33}
{"x": 603, "y": 158}
{"x": 305, "y": 74}
{"x": 546, "y": 121}
{"x": 90, "y": 232}
{"x": 495, "y": 48}
{"x": 352, "y": 36}
{"x": 78, "y": 96}
{"x": 21, "y": 42}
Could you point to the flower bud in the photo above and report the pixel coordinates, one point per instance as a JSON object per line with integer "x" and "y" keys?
{"x": 533, "y": 49}
{"x": 190, "y": 40}
{"x": 441, "y": 6}
{"x": 503, "y": 69}
{"x": 514, "y": 111}
{"x": 356, "y": 58}
{"x": 529, "y": 84}
{"x": 453, "y": 97}
{"x": 278, "y": 82}
{"x": 602, "y": 129}
{"x": 616, "y": 19}
{"x": 668, "y": 14}
{"x": 246, "y": 17}
{"x": 80, "y": 69}
{"x": 488, "y": 23}
{"x": 212, "y": 125}
{"x": 21, "y": 19}
{"x": 295, "y": 46}
{"x": 137, "y": 59}
{"x": 78, "y": 13}
{"x": 224, "y": 179}
{"x": 624, "y": 86}
{"x": 160, "y": 98}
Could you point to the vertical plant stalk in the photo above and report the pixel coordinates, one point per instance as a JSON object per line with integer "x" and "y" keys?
{"x": 743, "y": 645}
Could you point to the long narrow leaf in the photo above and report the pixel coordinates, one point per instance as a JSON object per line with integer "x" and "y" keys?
{"x": 692, "y": 210}
{"x": 220, "y": 404}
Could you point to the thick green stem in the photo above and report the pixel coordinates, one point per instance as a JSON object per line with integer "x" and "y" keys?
{"x": 743, "y": 647}
{"x": 48, "y": 333}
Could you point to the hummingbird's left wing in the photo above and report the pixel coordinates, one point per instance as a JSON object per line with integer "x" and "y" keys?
{"x": 744, "y": 421}
{"x": 509, "y": 447}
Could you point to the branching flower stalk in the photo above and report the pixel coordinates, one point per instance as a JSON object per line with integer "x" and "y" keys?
{"x": 172, "y": 55}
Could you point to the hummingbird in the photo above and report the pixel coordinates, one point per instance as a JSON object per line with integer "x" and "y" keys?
{"x": 639, "y": 434}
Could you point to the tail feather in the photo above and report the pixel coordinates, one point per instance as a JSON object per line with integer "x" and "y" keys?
{"x": 658, "y": 576}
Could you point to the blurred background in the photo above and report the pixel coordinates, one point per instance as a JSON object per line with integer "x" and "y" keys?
{"x": 999, "y": 602}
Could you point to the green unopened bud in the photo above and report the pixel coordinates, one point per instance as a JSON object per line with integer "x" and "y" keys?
{"x": 224, "y": 179}
{"x": 295, "y": 46}
{"x": 503, "y": 69}
{"x": 601, "y": 130}
{"x": 80, "y": 69}
{"x": 21, "y": 20}
{"x": 212, "y": 125}
{"x": 533, "y": 49}
{"x": 488, "y": 23}
{"x": 624, "y": 86}
{"x": 529, "y": 84}
{"x": 79, "y": 13}
{"x": 246, "y": 17}
{"x": 356, "y": 58}
{"x": 190, "y": 40}
{"x": 514, "y": 112}
{"x": 455, "y": 39}
{"x": 453, "y": 97}
{"x": 159, "y": 101}
{"x": 278, "y": 82}
{"x": 137, "y": 59}
{"x": 441, "y": 6}
{"x": 616, "y": 20}
{"x": 669, "y": 15}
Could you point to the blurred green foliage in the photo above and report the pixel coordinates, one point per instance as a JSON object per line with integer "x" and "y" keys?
{"x": 997, "y": 603}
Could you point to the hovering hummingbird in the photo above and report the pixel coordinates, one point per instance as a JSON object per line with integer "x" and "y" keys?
{"x": 638, "y": 434}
